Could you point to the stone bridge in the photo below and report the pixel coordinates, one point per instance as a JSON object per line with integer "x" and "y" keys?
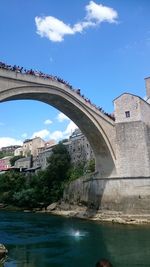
{"x": 94, "y": 124}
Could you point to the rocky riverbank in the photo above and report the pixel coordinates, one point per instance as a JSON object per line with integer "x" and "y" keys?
{"x": 3, "y": 254}
{"x": 83, "y": 212}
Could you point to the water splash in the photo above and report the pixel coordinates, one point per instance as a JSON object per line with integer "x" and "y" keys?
{"x": 77, "y": 234}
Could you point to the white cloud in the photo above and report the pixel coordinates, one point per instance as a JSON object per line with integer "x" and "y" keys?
{"x": 8, "y": 141}
{"x": 55, "y": 29}
{"x": 56, "y": 135}
{"x": 100, "y": 13}
{"x": 62, "y": 117}
{"x": 47, "y": 122}
{"x": 43, "y": 134}
{"x": 80, "y": 26}
{"x": 69, "y": 129}
{"x": 52, "y": 28}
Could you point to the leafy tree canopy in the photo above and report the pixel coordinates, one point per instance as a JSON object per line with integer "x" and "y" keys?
{"x": 59, "y": 163}
{"x": 5, "y": 154}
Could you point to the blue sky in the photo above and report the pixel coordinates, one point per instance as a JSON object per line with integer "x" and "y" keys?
{"x": 102, "y": 47}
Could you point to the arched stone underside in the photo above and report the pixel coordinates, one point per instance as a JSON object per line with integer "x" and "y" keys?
{"x": 96, "y": 126}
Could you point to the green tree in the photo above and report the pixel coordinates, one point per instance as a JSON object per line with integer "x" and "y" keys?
{"x": 91, "y": 165}
{"x": 10, "y": 182}
{"x": 57, "y": 170}
{"x": 76, "y": 171}
{"x": 5, "y": 154}
{"x": 25, "y": 198}
{"x": 59, "y": 163}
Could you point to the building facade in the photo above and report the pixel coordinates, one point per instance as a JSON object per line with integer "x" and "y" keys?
{"x": 18, "y": 151}
{"x": 9, "y": 149}
{"x": 31, "y": 146}
{"x": 79, "y": 147}
{"x": 41, "y": 159}
{"x": 5, "y": 163}
{"x": 23, "y": 163}
{"x": 132, "y": 118}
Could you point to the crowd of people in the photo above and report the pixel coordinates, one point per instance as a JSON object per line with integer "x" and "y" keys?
{"x": 53, "y": 78}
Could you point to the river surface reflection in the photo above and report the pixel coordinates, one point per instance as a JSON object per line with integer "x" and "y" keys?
{"x": 41, "y": 240}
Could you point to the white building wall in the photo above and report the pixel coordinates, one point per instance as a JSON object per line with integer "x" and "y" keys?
{"x": 18, "y": 151}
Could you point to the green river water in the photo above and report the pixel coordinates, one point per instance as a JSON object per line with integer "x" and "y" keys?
{"x": 42, "y": 240}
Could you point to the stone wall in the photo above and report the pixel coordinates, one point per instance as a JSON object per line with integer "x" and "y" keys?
{"x": 126, "y": 195}
{"x": 132, "y": 136}
{"x": 139, "y": 110}
{"x": 132, "y": 149}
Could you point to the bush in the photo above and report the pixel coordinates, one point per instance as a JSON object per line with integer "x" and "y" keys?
{"x": 76, "y": 171}
{"x": 91, "y": 165}
{"x": 25, "y": 198}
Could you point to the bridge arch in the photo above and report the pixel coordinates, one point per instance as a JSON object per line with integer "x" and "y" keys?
{"x": 96, "y": 126}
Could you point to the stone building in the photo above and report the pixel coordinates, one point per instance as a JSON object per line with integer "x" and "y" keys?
{"x": 43, "y": 153}
{"x": 9, "y": 149}
{"x": 79, "y": 147}
{"x": 18, "y": 151}
{"x": 5, "y": 163}
{"x": 23, "y": 163}
{"x": 31, "y": 146}
{"x": 41, "y": 159}
{"x": 132, "y": 118}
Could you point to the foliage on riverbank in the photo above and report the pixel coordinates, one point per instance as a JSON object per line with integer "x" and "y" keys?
{"x": 43, "y": 188}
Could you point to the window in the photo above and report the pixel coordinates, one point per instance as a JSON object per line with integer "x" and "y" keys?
{"x": 127, "y": 113}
